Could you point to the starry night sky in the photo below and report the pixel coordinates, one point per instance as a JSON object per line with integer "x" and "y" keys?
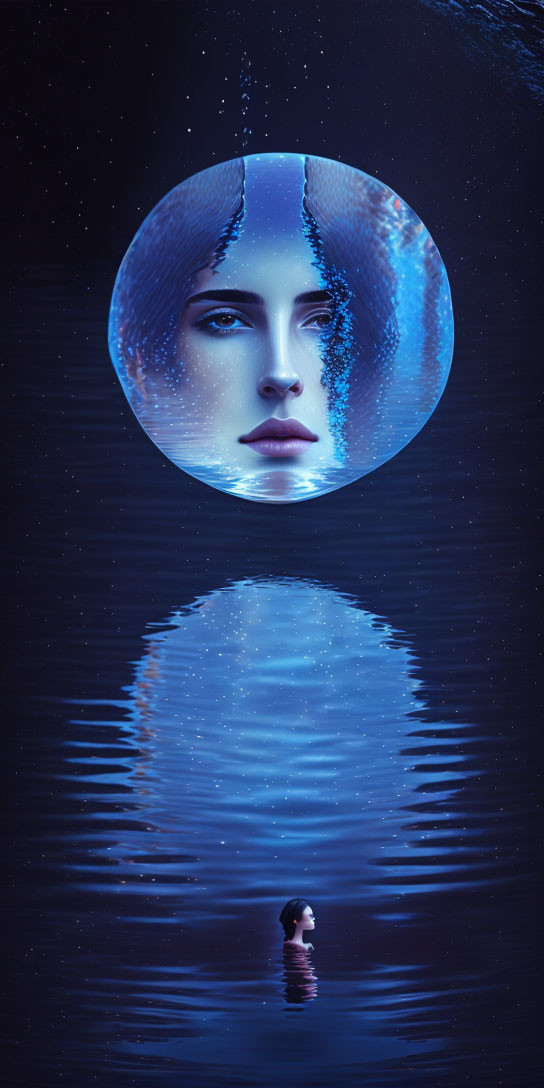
{"x": 111, "y": 105}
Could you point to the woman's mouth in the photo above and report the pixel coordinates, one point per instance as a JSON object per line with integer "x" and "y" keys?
{"x": 279, "y": 438}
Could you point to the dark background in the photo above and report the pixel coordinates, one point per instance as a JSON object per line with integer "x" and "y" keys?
{"x": 109, "y": 105}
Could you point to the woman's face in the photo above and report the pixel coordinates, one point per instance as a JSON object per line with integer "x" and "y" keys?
{"x": 250, "y": 348}
{"x": 307, "y": 918}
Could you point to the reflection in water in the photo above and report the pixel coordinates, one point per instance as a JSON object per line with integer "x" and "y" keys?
{"x": 269, "y": 721}
{"x": 300, "y": 982}
{"x": 272, "y": 743}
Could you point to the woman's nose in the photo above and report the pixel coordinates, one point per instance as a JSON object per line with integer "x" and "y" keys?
{"x": 280, "y": 376}
{"x": 279, "y": 385}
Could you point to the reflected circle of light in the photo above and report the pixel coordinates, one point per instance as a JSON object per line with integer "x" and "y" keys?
{"x": 281, "y": 325}
{"x": 268, "y": 725}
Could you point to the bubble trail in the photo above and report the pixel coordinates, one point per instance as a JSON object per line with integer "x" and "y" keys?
{"x": 245, "y": 85}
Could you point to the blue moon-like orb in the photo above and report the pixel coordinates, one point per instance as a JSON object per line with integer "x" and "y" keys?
{"x": 281, "y": 325}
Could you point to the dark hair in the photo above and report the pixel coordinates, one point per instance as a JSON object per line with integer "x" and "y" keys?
{"x": 188, "y": 230}
{"x": 291, "y": 913}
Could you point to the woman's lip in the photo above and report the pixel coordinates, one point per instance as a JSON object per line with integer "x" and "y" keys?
{"x": 279, "y": 447}
{"x": 279, "y": 431}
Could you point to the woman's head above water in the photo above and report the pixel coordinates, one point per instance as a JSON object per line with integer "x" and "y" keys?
{"x": 297, "y": 917}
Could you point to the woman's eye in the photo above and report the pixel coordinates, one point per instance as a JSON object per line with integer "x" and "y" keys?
{"x": 318, "y": 321}
{"x": 222, "y": 322}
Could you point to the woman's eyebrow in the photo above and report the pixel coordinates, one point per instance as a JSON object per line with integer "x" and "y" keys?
{"x": 226, "y": 296}
{"x": 230, "y": 295}
{"x": 313, "y": 296}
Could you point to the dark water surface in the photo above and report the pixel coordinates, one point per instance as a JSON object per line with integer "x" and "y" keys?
{"x": 228, "y": 704}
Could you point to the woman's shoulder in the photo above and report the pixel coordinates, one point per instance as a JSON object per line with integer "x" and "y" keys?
{"x": 307, "y": 947}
